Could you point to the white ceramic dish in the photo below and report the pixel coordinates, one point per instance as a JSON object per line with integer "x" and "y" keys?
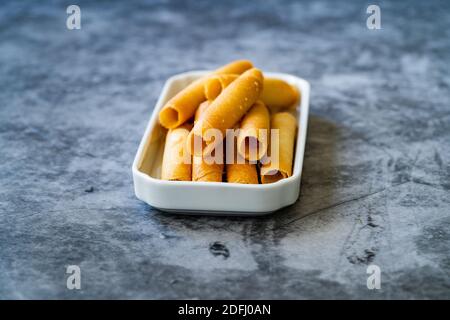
{"x": 213, "y": 198}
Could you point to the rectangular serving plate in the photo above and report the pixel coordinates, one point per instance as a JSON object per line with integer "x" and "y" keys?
{"x": 213, "y": 198}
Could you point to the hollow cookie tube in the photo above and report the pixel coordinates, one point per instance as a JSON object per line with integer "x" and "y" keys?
{"x": 215, "y": 84}
{"x": 225, "y": 112}
{"x": 282, "y": 167}
{"x": 277, "y": 94}
{"x": 183, "y": 105}
{"x": 202, "y": 171}
{"x": 176, "y": 163}
{"x": 239, "y": 170}
{"x": 242, "y": 173}
{"x": 252, "y": 141}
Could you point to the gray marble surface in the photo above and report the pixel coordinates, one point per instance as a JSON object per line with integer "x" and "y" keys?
{"x": 376, "y": 176}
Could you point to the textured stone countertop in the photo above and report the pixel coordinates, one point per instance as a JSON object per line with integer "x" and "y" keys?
{"x": 376, "y": 177}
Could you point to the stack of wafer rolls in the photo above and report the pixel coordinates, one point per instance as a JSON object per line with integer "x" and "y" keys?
{"x": 183, "y": 105}
{"x": 226, "y": 111}
{"x": 219, "y": 128}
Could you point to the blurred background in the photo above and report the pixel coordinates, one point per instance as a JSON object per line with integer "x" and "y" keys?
{"x": 376, "y": 178}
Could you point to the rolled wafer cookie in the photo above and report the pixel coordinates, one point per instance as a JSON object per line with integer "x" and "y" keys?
{"x": 277, "y": 169}
{"x": 207, "y": 170}
{"x": 176, "y": 163}
{"x": 215, "y": 84}
{"x": 253, "y": 137}
{"x": 239, "y": 170}
{"x": 279, "y": 95}
{"x": 242, "y": 173}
